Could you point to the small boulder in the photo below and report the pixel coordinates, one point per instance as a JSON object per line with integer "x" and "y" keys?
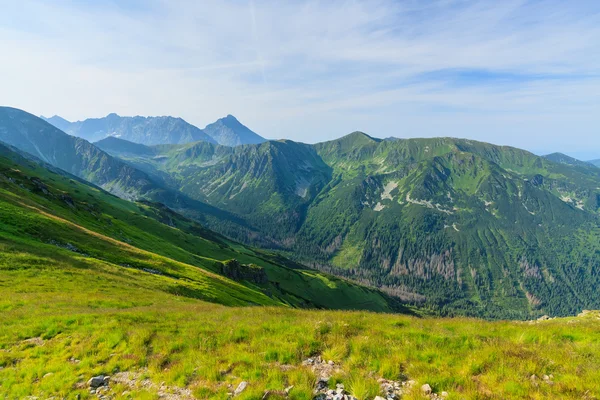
{"x": 379, "y": 398}
{"x": 426, "y": 389}
{"x": 96, "y": 381}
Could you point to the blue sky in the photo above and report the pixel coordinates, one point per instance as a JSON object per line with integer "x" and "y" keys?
{"x": 515, "y": 72}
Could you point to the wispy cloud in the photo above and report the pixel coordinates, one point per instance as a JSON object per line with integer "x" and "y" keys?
{"x": 516, "y": 72}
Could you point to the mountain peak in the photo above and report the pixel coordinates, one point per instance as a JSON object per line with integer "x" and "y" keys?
{"x": 360, "y": 135}
{"x": 562, "y": 158}
{"x": 229, "y": 131}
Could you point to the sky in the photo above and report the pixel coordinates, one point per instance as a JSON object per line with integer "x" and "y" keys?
{"x": 511, "y": 72}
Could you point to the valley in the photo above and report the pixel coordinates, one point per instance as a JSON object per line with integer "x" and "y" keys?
{"x": 287, "y": 270}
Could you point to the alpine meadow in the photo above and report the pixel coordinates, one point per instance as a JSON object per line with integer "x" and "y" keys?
{"x": 344, "y": 200}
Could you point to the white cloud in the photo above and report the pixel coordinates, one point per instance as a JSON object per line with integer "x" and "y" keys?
{"x": 313, "y": 70}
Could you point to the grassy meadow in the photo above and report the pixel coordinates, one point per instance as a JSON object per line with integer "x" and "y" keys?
{"x": 58, "y": 330}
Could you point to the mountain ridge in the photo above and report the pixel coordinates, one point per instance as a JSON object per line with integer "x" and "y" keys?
{"x": 144, "y": 130}
{"x": 456, "y": 225}
{"x": 155, "y": 130}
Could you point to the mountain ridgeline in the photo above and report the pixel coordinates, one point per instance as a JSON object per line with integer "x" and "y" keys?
{"x": 227, "y": 131}
{"x": 458, "y": 226}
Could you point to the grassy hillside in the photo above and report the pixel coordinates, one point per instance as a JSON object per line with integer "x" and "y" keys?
{"x": 56, "y": 219}
{"x": 65, "y": 324}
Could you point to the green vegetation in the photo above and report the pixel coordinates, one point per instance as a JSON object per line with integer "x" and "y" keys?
{"x": 92, "y": 284}
{"x": 462, "y": 227}
{"x": 455, "y": 226}
{"x": 63, "y": 324}
{"x": 57, "y": 219}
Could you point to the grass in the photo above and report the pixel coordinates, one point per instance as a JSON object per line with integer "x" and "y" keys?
{"x": 111, "y": 326}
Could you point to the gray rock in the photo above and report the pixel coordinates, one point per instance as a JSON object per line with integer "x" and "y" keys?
{"x": 96, "y": 381}
{"x": 241, "y": 387}
{"x": 322, "y": 384}
{"x": 426, "y": 389}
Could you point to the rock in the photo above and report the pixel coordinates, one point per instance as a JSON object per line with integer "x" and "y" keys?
{"x": 288, "y": 389}
{"x": 241, "y": 387}
{"x": 48, "y": 374}
{"x": 322, "y": 383}
{"x": 106, "y": 380}
{"x": 444, "y": 394}
{"x": 379, "y": 398}
{"x": 330, "y": 362}
{"x": 426, "y": 389}
{"x": 96, "y": 381}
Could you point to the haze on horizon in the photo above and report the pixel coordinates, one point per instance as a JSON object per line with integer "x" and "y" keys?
{"x": 516, "y": 72}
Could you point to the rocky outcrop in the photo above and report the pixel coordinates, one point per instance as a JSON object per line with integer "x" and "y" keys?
{"x": 233, "y": 269}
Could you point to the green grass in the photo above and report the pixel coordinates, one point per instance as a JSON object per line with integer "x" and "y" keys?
{"x": 110, "y": 325}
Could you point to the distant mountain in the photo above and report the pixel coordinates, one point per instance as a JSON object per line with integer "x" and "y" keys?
{"x": 77, "y": 156}
{"x": 462, "y": 226}
{"x": 595, "y": 162}
{"x": 229, "y": 131}
{"x": 113, "y": 145}
{"x": 144, "y": 130}
{"x": 58, "y": 122}
{"x": 565, "y": 159}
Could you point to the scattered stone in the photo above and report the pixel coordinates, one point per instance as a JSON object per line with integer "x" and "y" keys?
{"x": 444, "y": 394}
{"x": 48, "y": 374}
{"x": 426, "y": 389}
{"x": 241, "y": 387}
{"x": 288, "y": 389}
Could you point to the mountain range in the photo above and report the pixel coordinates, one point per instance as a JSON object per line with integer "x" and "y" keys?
{"x": 227, "y": 131}
{"x": 452, "y": 225}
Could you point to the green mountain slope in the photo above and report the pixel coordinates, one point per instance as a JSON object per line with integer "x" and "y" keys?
{"x": 52, "y": 221}
{"x": 267, "y": 186}
{"x": 229, "y": 131}
{"x": 144, "y": 130}
{"x": 459, "y": 225}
